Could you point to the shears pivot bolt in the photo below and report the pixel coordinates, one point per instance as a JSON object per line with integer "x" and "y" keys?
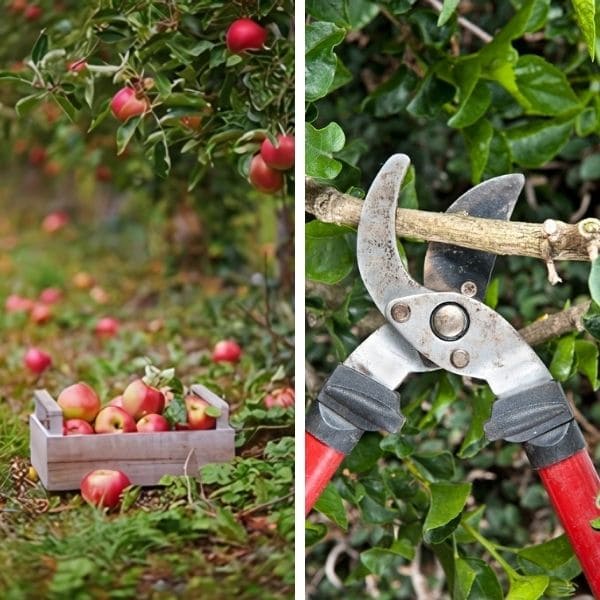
{"x": 449, "y": 321}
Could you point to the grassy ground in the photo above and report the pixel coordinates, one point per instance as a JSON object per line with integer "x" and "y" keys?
{"x": 228, "y": 534}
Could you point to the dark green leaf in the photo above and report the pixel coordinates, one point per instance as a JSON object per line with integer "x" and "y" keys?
{"x": 481, "y": 408}
{"x": 40, "y": 47}
{"x": 329, "y": 257}
{"x": 473, "y": 108}
{"x": 365, "y": 454}
{"x": 125, "y": 132}
{"x": 537, "y": 142}
{"x": 331, "y": 505}
{"x": 475, "y": 579}
{"x": 321, "y": 61}
{"x": 66, "y": 106}
{"x": 393, "y": 96}
{"x": 591, "y": 320}
{"x": 321, "y": 144}
{"x": 431, "y": 96}
{"x": 314, "y": 532}
{"x": 378, "y": 560}
{"x": 545, "y": 87}
{"x": 103, "y": 111}
{"x": 554, "y": 557}
{"x": 447, "y": 502}
{"x": 478, "y": 138}
{"x": 590, "y": 167}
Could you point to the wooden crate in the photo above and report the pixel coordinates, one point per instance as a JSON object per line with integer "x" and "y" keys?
{"x": 63, "y": 460}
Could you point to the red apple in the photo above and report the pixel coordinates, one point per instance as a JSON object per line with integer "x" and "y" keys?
{"x": 76, "y": 66}
{"x": 16, "y": 303}
{"x": 55, "y": 221}
{"x": 152, "y": 422}
{"x": 107, "y": 327}
{"x": 40, "y": 313}
{"x": 197, "y": 416}
{"x": 104, "y": 487}
{"x": 245, "y": 34}
{"x": 112, "y": 419}
{"x": 37, "y": 156}
{"x": 116, "y": 401}
{"x": 33, "y": 12}
{"x": 50, "y": 295}
{"x": 77, "y": 427}
{"x": 263, "y": 177}
{"x": 282, "y": 397}
{"x": 126, "y": 104}
{"x": 79, "y": 401}
{"x": 226, "y": 351}
{"x": 17, "y": 6}
{"x": 36, "y": 360}
{"x": 103, "y": 173}
{"x": 280, "y": 156}
{"x": 140, "y": 399}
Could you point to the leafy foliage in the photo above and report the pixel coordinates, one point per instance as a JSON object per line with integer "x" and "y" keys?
{"x": 516, "y": 94}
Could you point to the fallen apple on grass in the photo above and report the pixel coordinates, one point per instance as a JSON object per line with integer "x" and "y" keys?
{"x": 16, "y": 303}
{"x": 36, "y": 360}
{"x": 77, "y": 427}
{"x": 55, "y": 221}
{"x": 140, "y": 399}
{"x": 112, "y": 419}
{"x": 226, "y": 351}
{"x": 107, "y": 327}
{"x": 103, "y": 487}
{"x": 79, "y": 401}
{"x": 152, "y": 422}
{"x": 40, "y": 313}
{"x": 282, "y": 397}
{"x": 50, "y": 295}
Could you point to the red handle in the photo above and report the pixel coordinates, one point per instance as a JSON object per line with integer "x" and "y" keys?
{"x": 573, "y": 486}
{"x": 321, "y": 464}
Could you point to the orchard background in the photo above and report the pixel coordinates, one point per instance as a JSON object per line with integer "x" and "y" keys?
{"x": 149, "y": 219}
{"x": 511, "y": 87}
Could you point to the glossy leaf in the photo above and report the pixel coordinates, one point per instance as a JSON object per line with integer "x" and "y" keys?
{"x": 562, "y": 361}
{"x": 529, "y": 587}
{"x": 321, "y": 144}
{"x": 475, "y": 579}
{"x": 554, "y": 557}
{"x": 585, "y": 11}
{"x": 447, "y": 502}
{"x": 329, "y": 257}
{"x": 537, "y": 142}
{"x": 331, "y": 505}
{"x": 587, "y": 353}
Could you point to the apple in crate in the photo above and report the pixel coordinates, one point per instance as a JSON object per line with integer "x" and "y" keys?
{"x": 152, "y": 422}
{"x": 104, "y": 487}
{"x": 112, "y": 419}
{"x": 77, "y": 427}
{"x": 79, "y": 401}
{"x": 140, "y": 399}
{"x": 200, "y": 413}
{"x": 116, "y": 401}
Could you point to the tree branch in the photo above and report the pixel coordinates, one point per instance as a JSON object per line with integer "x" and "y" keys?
{"x": 550, "y": 241}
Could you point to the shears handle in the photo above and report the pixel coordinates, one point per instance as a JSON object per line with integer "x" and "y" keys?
{"x": 573, "y": 486}
{"x": 321, "y": 463}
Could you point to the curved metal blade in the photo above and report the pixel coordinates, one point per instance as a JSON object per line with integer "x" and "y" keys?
{"x": 447, "y": 267}
{"x": 379, "y": 262}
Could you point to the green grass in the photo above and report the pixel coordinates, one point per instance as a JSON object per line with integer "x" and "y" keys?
{"x": 228, "y": 537}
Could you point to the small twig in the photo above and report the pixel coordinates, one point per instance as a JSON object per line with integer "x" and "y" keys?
{"x": 586, "y": 198}
{"x": 477, "y": 31}
{"x": 187, "y": 477}
{"x": 555, "y": 325}
{"x": 336, "y": 551}
{"x": 249, "y": 511}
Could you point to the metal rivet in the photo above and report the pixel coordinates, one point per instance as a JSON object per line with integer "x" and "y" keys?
{"x": 449, "y": 321}
{"x": 468, "y": 288}
{"x": 400, "y": 312}
{"x": 460, "y": 358}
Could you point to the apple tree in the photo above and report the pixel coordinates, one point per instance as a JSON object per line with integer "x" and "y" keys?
{"x": 169, "y": 99}
{"x": 469, "y": 91}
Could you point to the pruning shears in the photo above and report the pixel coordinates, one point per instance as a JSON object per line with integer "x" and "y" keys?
{"x": 444, "y": 324}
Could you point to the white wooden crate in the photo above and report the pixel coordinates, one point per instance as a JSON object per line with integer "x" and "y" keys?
{"x": 63, "y": 460}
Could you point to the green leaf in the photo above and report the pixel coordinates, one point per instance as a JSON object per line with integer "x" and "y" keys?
{"x": 28, "y": 103}
{"x": 562, "y": 361}
{"x": 321, "y": 144}
{"x": 176, "y": 411}
{"x": 365, "y": 454}
{"x": 481, "y": 407}
{"x": 595, "y": 523}
{"x": 125, "y": 132}
{"x": 378, "y": 560}
{"x": 314, "y": 532}
{"x": 591, "y": 320}
{"x": 331, "y": 505}
{"x": 66, "y": 106}
{"x": 103, "y": 111}
{"x": 352, "y": 14}
{"x": 430, "y": 98}
{"x": 544, "y": 86}
{"x": 447, "y": 11}
{"x": 587, "y": 361}
{"x": 393, "y": 96}
{"x": 229, "y": 527}
{"x": 478, "y": 138}
{"x": 329, "y": 256}
{"x": 475, "y": 579}
{"x": 40, "y": 47}
{"x": 594, "y": 281}
{"x": 590, "y": 167}
{"x": 585, "y": 12}
{"x": 554, "y": 557}
{"x": 447, "y": 502}
{"x": 529, "y": 587}
{"x": 321, "y": 61}
{"x": 537, "y": 142}
{"x": 473, "y": 108}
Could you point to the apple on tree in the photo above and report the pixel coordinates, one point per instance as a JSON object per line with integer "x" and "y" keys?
{"x": 103, "y": 487}
{"x": 79, "y": 401}
{"x": 226, "y": 351}
{"x": 279, "y": 156}
{"x": 126, "y": 104}
{"x": 263, "y": 177}
{"x": 245, "y": 34}
{"x": 77, "y": 427}
{"x": 112, "y": 419}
